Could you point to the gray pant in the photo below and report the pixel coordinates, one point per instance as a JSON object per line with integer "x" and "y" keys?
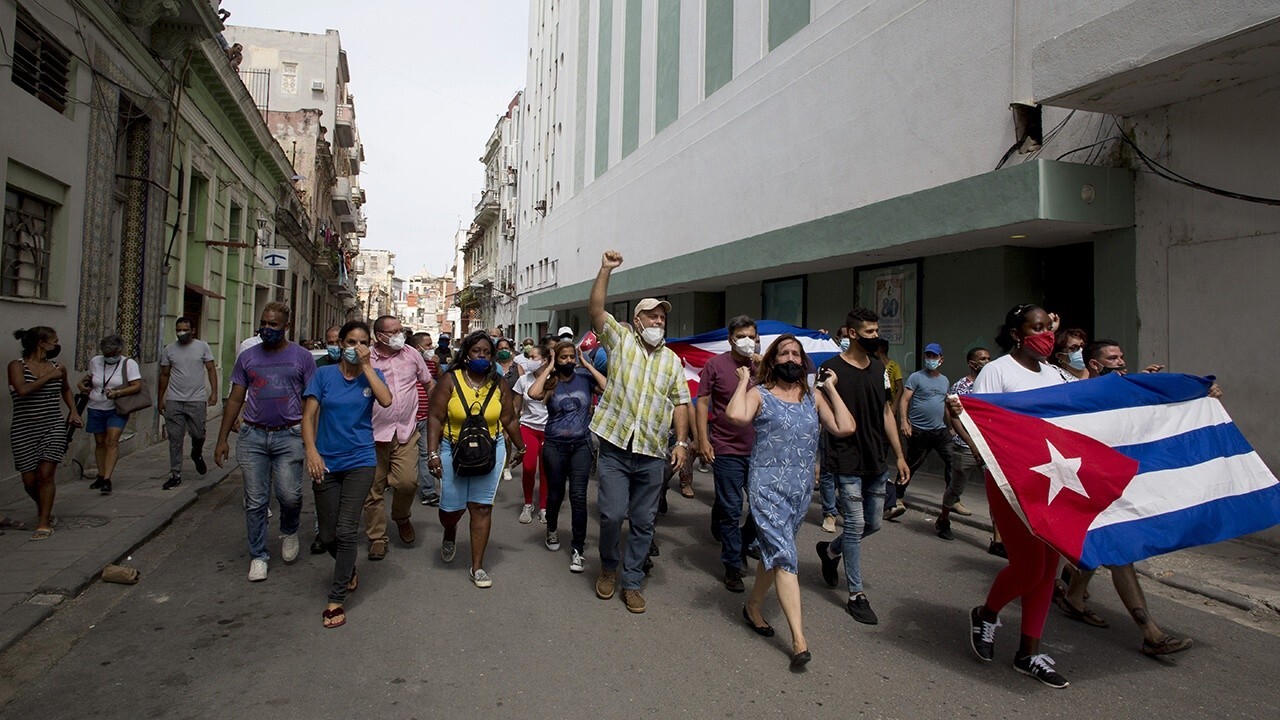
{"x": 629, "y": 487}
{"x": 339, "y": 504}
{"x": 964, "y": 469}
{"x": 180, "y": 419}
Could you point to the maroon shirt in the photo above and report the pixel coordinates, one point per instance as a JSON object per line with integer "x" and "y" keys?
{"x": 718, "y": 380}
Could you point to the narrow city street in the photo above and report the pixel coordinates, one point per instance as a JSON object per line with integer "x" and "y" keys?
{"x": 195, "y": 639}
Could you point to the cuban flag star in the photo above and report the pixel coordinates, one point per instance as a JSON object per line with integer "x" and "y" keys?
{"x": 1117, "y": 469}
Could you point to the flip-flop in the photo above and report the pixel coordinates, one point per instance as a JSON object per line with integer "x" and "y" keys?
{"x": 42, "y": 534}
{"x": 354, "y": 583}
{"x": 1166, "y": 645}
{"x": 337, "y": 615}
{"x": 1084, "y": 614}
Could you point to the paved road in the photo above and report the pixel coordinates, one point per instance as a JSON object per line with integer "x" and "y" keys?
{"x": 195, "y": 640}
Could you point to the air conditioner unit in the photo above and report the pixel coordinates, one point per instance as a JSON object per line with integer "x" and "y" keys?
{"x": 317, "y": 86}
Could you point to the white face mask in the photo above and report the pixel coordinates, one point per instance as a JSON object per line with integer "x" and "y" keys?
{"x": 396, "y": 342}
{"x": 652, "y": 336}
{"x": 745, "y": 345}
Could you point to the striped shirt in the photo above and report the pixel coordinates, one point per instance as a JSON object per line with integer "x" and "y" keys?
{"x": 644, "y": 389}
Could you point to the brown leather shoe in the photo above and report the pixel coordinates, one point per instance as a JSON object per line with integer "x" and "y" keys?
{"x": 407, "y": 535}
{"x": 686, "y": 489}
{"x": 606, "y": 584}
{"x": 377, "y": 549}
{"x": 634, "y": 600}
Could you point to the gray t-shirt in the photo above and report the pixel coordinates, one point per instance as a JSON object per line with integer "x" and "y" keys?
{"x": 186, "y": 370}
{"x": 927, "y": 409}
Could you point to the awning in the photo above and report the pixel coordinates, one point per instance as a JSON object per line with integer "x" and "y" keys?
{"x": 204, "y": 291}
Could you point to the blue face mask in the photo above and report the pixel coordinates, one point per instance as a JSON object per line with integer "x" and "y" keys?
{"x": 270, "y": 336}
{"x": 1076, "y": 359}
{"x": 479, "y": 366}
{"x": 349, "y": 354}
{"x": 335, "y": 351}
{"x": 844, "y": 344}
{"x": 112, "y": 360}
{"x": 932, "y": 363}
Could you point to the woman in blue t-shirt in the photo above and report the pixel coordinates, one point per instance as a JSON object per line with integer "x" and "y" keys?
{"x": 565, "y": 386}
{"x": 337, "y": 430}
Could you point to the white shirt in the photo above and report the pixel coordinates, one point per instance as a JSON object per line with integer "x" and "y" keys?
{"x": 1004, "y": 374}
{"x": 534, "y": 412}
{"x": 248, "y": 343}
{"x": 103, "y": 377}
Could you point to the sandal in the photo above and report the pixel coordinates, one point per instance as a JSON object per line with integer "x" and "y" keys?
{"x": 354, "y": 583}
{"x": 1084, "y": 614}
{"x": 42, "y": 534}
{"x": 334, "y": 618}
{"x": 1166, "y": 645}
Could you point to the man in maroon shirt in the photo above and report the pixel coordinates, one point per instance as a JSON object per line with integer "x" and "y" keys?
{"x": 727, "y": 446}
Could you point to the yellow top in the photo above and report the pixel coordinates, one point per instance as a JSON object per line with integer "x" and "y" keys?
{"x": 492, "y": 413}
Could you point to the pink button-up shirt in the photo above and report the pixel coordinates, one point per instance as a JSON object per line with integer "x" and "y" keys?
{"x": 403, "y": 371}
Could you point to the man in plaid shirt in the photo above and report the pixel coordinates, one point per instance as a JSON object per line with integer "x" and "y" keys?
{"x": 647, "y": 390}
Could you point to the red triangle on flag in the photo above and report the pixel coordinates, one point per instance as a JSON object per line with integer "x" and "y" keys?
{"x": 1058, "y": 480}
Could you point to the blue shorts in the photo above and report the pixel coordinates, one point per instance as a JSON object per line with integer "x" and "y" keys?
{"x": 456, "y": 492}
{"x": 99, "y": 420}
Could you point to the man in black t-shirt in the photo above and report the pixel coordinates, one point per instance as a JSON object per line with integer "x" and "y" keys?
{"x": 857, "y": 461}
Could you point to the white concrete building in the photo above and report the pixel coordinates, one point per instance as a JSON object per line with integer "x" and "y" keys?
{"x": 375, "y": 272}
{"x": 791, "y": 159}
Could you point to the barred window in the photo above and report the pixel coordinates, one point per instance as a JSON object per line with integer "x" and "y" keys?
{"x": 41, "y": 66}
{"x": 24, "y": 265}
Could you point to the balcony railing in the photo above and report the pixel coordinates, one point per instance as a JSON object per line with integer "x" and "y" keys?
{"x": 344, "y": 126}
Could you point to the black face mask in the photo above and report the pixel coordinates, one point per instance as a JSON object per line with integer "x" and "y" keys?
{"x": 1103, "y": 371}
{"x": 52, "y": 352}
{"x": 870, "y": 345}
{"x": 788, "y": 372}
{"x": 565, "y": 369}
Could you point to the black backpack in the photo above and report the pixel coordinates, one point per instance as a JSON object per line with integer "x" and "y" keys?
{"x": 475, "y": 451}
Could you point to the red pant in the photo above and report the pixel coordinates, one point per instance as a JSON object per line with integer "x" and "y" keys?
{"x": 1033, "y": 564}
{"x": 533, "y": 464}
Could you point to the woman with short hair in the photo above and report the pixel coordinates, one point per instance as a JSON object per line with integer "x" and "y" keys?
{"x": 111, "y": 375}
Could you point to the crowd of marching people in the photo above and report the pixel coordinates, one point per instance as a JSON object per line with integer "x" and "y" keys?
{"x": 384, "y": 412}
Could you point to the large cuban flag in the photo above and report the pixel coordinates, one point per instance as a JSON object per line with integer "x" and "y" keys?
{"x": 1117, "y": 469}
{"x": 696, "y": 350}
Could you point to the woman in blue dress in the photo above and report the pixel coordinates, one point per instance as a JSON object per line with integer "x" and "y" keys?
{"x": 785, "y": 413}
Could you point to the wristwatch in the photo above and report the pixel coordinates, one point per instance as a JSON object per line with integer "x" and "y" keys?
{"x": 682, "y": 443}
{"x": 433, "y": 455}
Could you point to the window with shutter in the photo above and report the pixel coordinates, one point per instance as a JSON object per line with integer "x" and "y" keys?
{"x": 41, "y": 66}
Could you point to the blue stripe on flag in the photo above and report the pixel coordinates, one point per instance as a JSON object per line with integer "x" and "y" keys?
{"x": 1209, "y": 522}
{"x": 763, "y": 327}
{"x": 1189, "y": 448}
{"x": 1109, "y": 392}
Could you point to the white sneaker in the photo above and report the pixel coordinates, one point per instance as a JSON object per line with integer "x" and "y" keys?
{"x": 577, "y": 564}
{"x": 526, "y": 514}
{"x": 829, "y": 524}
{"x": 289, "y": 547}
{"x": 542, "y": 516}
{"x": 553, "y": 540}
{"x": 506, "y": 474}
{"x": 257, "y": 570}
{"x": 481, "y": 578}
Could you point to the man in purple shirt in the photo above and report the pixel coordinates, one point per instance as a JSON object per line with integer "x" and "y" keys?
{"x": 727, "y": 446}
{"x": 395, "y": 433}
{"x": 267, "y": 383}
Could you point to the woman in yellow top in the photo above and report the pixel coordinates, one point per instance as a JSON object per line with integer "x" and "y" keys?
{"x": 470, "y": 378}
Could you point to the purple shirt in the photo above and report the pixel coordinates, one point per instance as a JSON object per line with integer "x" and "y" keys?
{"x": 273, "y": 383}
{"x": 718, "y": 380}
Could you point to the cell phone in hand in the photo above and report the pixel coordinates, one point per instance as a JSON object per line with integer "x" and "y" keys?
{"x": 823, "y": 374}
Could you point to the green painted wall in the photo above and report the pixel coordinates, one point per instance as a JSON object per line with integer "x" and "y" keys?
{"x": 631, "y": 78}
{"x": 1115, "y": 289}
{"x": 580, "y": 97}
{"x": 964, "y": 299}
{"x": 744, "y": 299}
{"x": 786, "y": 17}
{"x": 604, "y": 64}
{"x": 667, "y": 100}
{"x": 719, "y": 45}
{"x": 829, "y": 297}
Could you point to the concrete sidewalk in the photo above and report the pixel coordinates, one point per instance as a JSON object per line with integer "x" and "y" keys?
{"x": 1243, "y": 573}
{"x": 91, "y": 530}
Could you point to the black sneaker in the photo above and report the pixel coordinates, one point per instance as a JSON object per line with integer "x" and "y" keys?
{"x": 861, "y": 610}
{"x": 997, "y": 549}
{"x": 830, "y": 565}
{"x": 1040, "y": 667}
{"x": 173, "y": 482}
{"x": 317, "y": 546}
{"x": 647, "y": 565}
{"x": 653, "y": 549}
{"x": 431, "y": 500}
{"x": 982, "y": 635}
{"x": 944, "y": 530}
{"x": 198, "y": 459}
{"x": 733, "y": 580}
{"x": 96, "y": 484}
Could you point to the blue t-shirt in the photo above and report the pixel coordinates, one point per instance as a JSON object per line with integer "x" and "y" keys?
{"x": 344, "y": 432}
{"x": 600, "y": 359}
{"x": 927, "y": 409}
{"x": 569, "y": 407}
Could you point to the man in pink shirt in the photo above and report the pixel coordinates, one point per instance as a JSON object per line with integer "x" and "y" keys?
{"x": 395, "y": 433}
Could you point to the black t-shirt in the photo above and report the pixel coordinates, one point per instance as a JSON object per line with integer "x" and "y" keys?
{"x": 861, "y": 453}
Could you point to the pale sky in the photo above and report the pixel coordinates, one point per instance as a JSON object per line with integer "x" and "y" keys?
{"x": 430, "y": 78}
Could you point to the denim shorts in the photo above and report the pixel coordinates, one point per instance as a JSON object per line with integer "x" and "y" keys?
{"x": 456, "y": 492}
{"x": 99, "y": 420}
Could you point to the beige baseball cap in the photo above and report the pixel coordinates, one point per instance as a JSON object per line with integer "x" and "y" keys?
{"x": 651, "y": 303}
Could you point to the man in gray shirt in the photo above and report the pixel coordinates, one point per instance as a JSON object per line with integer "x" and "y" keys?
{"x": 184, "y": 399}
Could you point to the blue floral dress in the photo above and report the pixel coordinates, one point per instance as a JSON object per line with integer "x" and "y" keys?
{"x": 780, "y": 481}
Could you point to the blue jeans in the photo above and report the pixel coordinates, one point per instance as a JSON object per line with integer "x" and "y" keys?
{"x": 862, "y": 500}
{"x": 426, "y": 481}
{"x": 629, "y": 488}
{"x": 568, "y": 461}
{"x": 827, "y": 491}
{"x": 731, "y": 487}
{"x": 270, "y": 459}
